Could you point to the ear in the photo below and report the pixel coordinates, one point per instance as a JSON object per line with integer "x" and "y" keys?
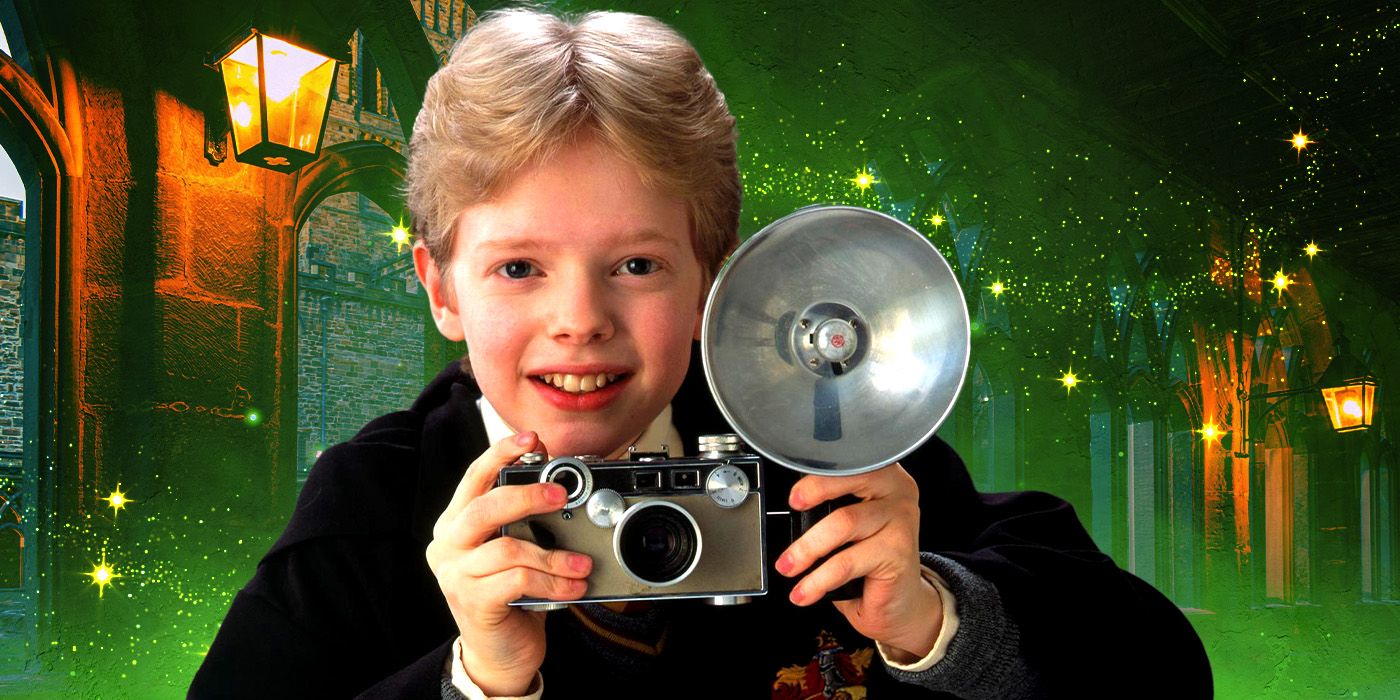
{"x": 442, "y": 298}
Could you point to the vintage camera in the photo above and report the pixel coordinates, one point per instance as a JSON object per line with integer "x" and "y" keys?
{"x": 656, "y": 527}
{"x": 834, "y": 342}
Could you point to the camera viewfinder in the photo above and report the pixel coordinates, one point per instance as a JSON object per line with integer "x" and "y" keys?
{"x": 685, "y": 479}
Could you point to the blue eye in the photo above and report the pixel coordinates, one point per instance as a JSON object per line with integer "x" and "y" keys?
{"x": 517, "y": 269}
{"x": 639, "y": 266}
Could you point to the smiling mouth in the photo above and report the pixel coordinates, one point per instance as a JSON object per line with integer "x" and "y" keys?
{"x": 579, "y": 384}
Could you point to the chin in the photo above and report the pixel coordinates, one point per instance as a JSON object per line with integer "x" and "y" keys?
{"x": 581, "y": 440}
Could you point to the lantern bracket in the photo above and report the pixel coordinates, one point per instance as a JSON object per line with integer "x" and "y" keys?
{"x": 1257, "y": 421}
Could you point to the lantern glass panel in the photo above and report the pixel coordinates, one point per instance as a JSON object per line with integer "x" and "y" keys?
{"x": 298, "y": 88}
{"x": 1349, "y": 406}
{"x": 240, "y": 72}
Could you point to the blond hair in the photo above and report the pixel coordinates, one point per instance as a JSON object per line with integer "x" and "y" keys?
{"x": 523, "y": 83}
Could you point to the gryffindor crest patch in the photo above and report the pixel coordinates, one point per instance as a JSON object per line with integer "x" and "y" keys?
{"x": 832, "y": 672}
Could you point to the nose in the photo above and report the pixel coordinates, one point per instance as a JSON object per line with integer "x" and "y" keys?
{"x": 582, "y": 311}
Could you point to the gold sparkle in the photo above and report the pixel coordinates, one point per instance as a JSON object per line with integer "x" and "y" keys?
{"x": 1069, "y": 379}
{"x": 937, "y": 220}
{"x": 997, "y": 288}
{"x": 117, "y": 500}
{"x": 102, "y": 575}
{"x": 1281, "y": 281}
{"x": 1210, "y": 432}
{"x": 400, "y": 236}
{"x": 1312, "y": 250}
{"x": 864, "y": 180}
{"x": 1300, "y": 141}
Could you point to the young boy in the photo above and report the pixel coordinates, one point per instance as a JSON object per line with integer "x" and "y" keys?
{"x": 575, "y": 190}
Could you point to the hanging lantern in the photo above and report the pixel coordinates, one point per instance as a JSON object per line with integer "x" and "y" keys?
{"x": 1351, "y": 403}
{"x": 278, "y": 96}
{"x": 1348, "y": 389}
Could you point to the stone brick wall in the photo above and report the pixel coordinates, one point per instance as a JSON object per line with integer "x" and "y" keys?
{"x": 11, "y": 355}
{"x": 359, "y": 338}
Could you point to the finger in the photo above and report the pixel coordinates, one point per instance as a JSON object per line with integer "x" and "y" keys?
{"x": 511, "y": 585}
{"x": 813, "y": 489}
{"x": 505, "y": 553}
{"x": 852, "y": 523}
{"x": 481, "y": 474}
{"x": 485, "y": 515}
{"x": 856, "y": 561}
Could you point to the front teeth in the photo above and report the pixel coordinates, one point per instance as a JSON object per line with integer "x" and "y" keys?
{"x": 579, "y": 384}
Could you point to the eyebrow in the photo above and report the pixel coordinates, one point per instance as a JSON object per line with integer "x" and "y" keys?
{"x": 645, "y": 235}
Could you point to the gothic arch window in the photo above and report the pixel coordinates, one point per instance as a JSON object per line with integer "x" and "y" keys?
{"x": 1143, "y": 450}
{"x": 1104, "y": 444}
{"x": 1284, "y": 459}
{"x": 1378, "y": 526}
{"x": 1184, "y": 508}
{"x": 1286, "y": 484}
{"x": 371, "y": 85}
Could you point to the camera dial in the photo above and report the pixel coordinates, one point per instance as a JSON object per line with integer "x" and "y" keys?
{"x": 720, "y": 445}
{"x": 727, "y": 486}
{"x": 573, "y": 475}
{"x": 605, "y": 507}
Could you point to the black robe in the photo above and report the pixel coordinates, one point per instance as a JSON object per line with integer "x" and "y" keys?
{"x": 344, "y": 605}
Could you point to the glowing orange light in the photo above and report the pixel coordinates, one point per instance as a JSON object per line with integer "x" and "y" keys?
{"x": 1351, "y": 406}
{"x": 1301, "y": 141}
{"x": 278, "y": 94}
{"x": 242, "y": 114}
{"x": 1210, "y": 432}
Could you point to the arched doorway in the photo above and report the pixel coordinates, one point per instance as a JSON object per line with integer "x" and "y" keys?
{"x": 36, "y": 293}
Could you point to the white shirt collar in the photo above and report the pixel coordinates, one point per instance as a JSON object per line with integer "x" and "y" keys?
{"x": 660, "y": 436}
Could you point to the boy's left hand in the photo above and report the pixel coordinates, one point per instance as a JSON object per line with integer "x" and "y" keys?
{"x": 898, "y": 608}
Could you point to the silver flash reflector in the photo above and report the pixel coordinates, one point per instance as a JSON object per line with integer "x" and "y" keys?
{"x": 835, "y": 340}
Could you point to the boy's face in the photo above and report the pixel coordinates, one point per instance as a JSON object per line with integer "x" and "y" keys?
{"x": 575, "y": 270}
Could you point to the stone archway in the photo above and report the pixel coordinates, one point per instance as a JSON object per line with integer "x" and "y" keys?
{"x": 368, "y": 167}
{"x": 33, "y": 135}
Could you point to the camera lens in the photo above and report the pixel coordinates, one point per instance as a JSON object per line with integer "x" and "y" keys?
{"x": 657, "y": 543}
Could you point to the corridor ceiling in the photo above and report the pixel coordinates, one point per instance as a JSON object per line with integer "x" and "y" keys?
{"x": 1213, "y": 92}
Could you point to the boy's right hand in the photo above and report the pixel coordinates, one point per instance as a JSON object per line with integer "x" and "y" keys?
{"x": 480, "y": 573}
